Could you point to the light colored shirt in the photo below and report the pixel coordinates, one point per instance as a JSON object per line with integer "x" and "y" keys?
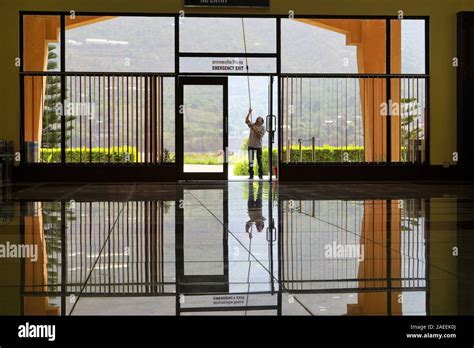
{"x": 255, "y": 215}
{"x": 256, "y": 135}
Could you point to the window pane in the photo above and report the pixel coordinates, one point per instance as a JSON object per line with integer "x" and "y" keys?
{"x": 42, "y": 118}
{"x": 409, "y": 115}
{"x": 127, "y": 44}
{"x": 168, "y": 120}
{"x": 408, "y": 46}
{"x": 333, "y": 46}
{"x": 227, "y": 35}
{"x": 41, "y": 43}
{"x": 323, "y": 120}
{"x": 203, "y": 123}
{"x": 118, "y": 119}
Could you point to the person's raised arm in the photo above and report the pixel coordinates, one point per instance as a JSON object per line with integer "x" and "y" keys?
{"x": 247, "y": 119}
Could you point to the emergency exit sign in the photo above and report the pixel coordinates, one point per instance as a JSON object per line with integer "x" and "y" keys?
{"x": 227, "y": 3}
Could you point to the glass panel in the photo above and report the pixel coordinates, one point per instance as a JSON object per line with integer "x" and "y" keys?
{"x": 345, "y": 119}
{"x": 119, "y": 119}
{"x": 42, "y": 94}
{"x": 227, "y": 65}
{"x": 42, "y": 119}
{"x": 408, "y": 46}
{"x": 41, "y": 42}
{"x": 226, "y": 35}
{"x": 408, "y": 117}
{"x": 168, "y": 120}
{"x": 203, "y": 231}
{"x": 108, "y": 119}
{"x": 408, "y": 95}
{"x": 126, "y": 44}
{"x": 203, "y": 128}
{"x": 238, "y": 129}
{"x": 333, "y": 120}
{"x": 333, "y": 46}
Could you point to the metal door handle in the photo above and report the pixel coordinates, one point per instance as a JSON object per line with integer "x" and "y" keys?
{"x": 271, "y": 124}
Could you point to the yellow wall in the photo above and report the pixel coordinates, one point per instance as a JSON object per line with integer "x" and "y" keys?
{"x": 443, "y": 48}
{"x": 443, "y": 265}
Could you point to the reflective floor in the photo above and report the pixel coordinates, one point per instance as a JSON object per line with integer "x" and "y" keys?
{"x": 237, "y": 248}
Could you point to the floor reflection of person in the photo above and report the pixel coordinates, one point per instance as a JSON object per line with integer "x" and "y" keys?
{"x": 254, "y": 210}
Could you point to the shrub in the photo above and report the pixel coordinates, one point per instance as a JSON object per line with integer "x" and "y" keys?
{"x": 202, "y": 158}
{"x": 242, "y": 167}
{"x": 168, "y": 156}
{"x": 322, "y": 154}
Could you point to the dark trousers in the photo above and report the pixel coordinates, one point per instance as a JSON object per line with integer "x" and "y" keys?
{"x": 258, "y": 151}
{"x": 255, "y": 203}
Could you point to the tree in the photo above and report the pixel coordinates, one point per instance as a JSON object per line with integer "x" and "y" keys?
{"x": 51, "y": 117}
{"x": 51, "y": 213}
{"x": 52, "y": 231}
{"x": 410, "y": 129}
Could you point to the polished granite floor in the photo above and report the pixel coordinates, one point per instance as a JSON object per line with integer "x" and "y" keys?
{"x": 237, "y": 248}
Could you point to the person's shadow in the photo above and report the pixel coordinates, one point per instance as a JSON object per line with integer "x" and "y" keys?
{"x": 254, "y": 209}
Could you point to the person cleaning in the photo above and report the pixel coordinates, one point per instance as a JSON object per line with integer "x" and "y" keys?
{"x": 257, "y": 131}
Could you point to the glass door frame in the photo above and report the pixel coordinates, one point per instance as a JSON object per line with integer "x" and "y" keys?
{"x": 198, "y": 284}
{"x": 205, "y": 81}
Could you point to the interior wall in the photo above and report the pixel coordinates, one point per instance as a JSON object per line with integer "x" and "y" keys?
{"x": 442, "y": 15}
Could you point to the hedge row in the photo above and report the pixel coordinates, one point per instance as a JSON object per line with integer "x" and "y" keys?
{"x": 321, "y": 154}
{"x": 123, "y": 155}
{"x": 326, "y": 153}
{"x": 98, "y": 155}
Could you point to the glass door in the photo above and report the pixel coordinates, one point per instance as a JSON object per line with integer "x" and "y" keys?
{"x": 202, "y": 128}
{"x": 202, "y": 253}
